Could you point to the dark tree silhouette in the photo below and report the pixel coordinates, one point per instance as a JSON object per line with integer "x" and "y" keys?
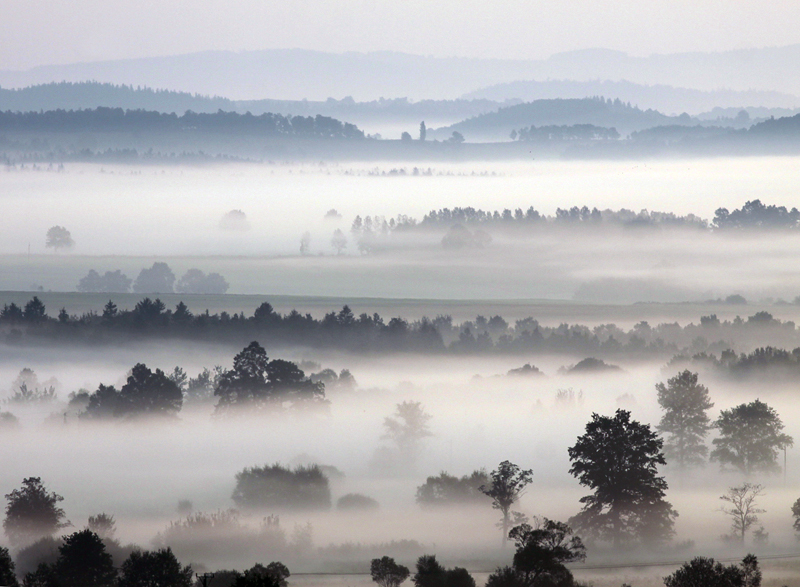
{"x": 750, "y": 436}
{"x": 430, "y": 573}
{"x": 148, "y": 393}
{"x": 154, "y": 569}
{"x": 685, "y": 421}
{"x": 59, "y": 237}
{"x": 507, "y": 485}
{"x": 32, "y": 513}
{"x": 423, "y": 131}
{"x": 157, "y": 279}
{"x": 256, "y": 382}
{"x": 706, "y": 572}
{"x": 542, "y": 552}
{"x": 387, "y": 573}
{"x": 105, "y": 403}
{"x": 541, "y": 556}
{"x": 796, "y": 515}
{"x": 273, "y": 575}
{"x": 35, "y": 311}
{"x": 618, "y": 459}
{"x": 84, "y": 562}
{"x": 8, "y": 577}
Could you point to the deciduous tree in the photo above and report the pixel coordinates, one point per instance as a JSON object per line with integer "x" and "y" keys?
{"x": 32, "y": 512}
{"x": 750, "y": 437}
{"x": 618, "y": 459}
{"x": 508, "y": 482}
{"x": 685, "y": 421}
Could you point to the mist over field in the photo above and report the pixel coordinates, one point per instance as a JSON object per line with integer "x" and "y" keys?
{"x": 328, "y": 294}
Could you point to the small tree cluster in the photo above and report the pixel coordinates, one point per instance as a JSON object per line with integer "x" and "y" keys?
{"x": 278, "y": 487}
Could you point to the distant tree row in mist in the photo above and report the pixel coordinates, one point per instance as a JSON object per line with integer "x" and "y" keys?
{"x": 103, "y": 119}
{"x": 156, "y": 279}
{"x": 150, "y": 319}
{"x": 752, "y": 215}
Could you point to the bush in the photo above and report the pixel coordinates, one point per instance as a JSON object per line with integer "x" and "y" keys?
{"x": 278, "y": 487}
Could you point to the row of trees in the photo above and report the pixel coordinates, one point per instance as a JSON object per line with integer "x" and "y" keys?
{"x": 753, "y": 215}
{"x": 119, "y": 120}
{"x": 156, "y": 279}
{"x": 150, "y": 318}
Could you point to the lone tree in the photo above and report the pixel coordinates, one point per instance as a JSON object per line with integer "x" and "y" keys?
{"x": 685, "y": 421}
{"x": 157, "y": 279}
{"x": 32, "y": 513}
{"x": 618, "y": 458}
{"x": 507, "y": 486}
{"x": 423, "y": 131}
{"x": 338, "y": 241}
{"x": 541, "y": 556}
{"x": 706, "y": 572}
{"x": 407, "y": 427}
{"x": 750, "y": 437}
{"x": 84, "y": 562}
{"x": 387, "y": 573}
{"x": 742, "y": 508}
{"x": 58, "y": 237}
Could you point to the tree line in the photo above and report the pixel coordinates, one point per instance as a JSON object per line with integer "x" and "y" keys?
{"x": 156, "y": 279}
{"x": 104, "y": 119}
{"x": 753, "y": 215}
{"x": 150, "y": 318}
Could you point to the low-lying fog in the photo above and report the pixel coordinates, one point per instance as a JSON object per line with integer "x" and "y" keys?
{"x": 127, "y": 217}
{"x": 139, "y": 472}
{"x": 176, "y": 211}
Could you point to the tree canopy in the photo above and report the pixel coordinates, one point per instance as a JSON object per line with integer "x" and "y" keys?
{"x": 387, "y": 573}
{"x": 618, "y": 459}
{"x": 508, "y": 482}
{"x": 685, "y": 421}
{"x": 32, "y": 512}
{"x": 255, "y": 382}
{"x": 750, "y": 437}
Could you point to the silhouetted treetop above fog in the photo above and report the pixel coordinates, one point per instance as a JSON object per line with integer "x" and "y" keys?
{"x": 344, "y": 330}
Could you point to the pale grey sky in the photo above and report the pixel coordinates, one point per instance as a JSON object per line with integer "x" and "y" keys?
{"x": 37, "y": 32}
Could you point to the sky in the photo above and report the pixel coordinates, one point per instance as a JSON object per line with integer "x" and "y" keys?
{"x": 42, "y": 32}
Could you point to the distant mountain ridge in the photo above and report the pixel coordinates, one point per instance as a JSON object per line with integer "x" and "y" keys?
{"x": 497, "y": 126}
{"x": 315, "y": 75}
